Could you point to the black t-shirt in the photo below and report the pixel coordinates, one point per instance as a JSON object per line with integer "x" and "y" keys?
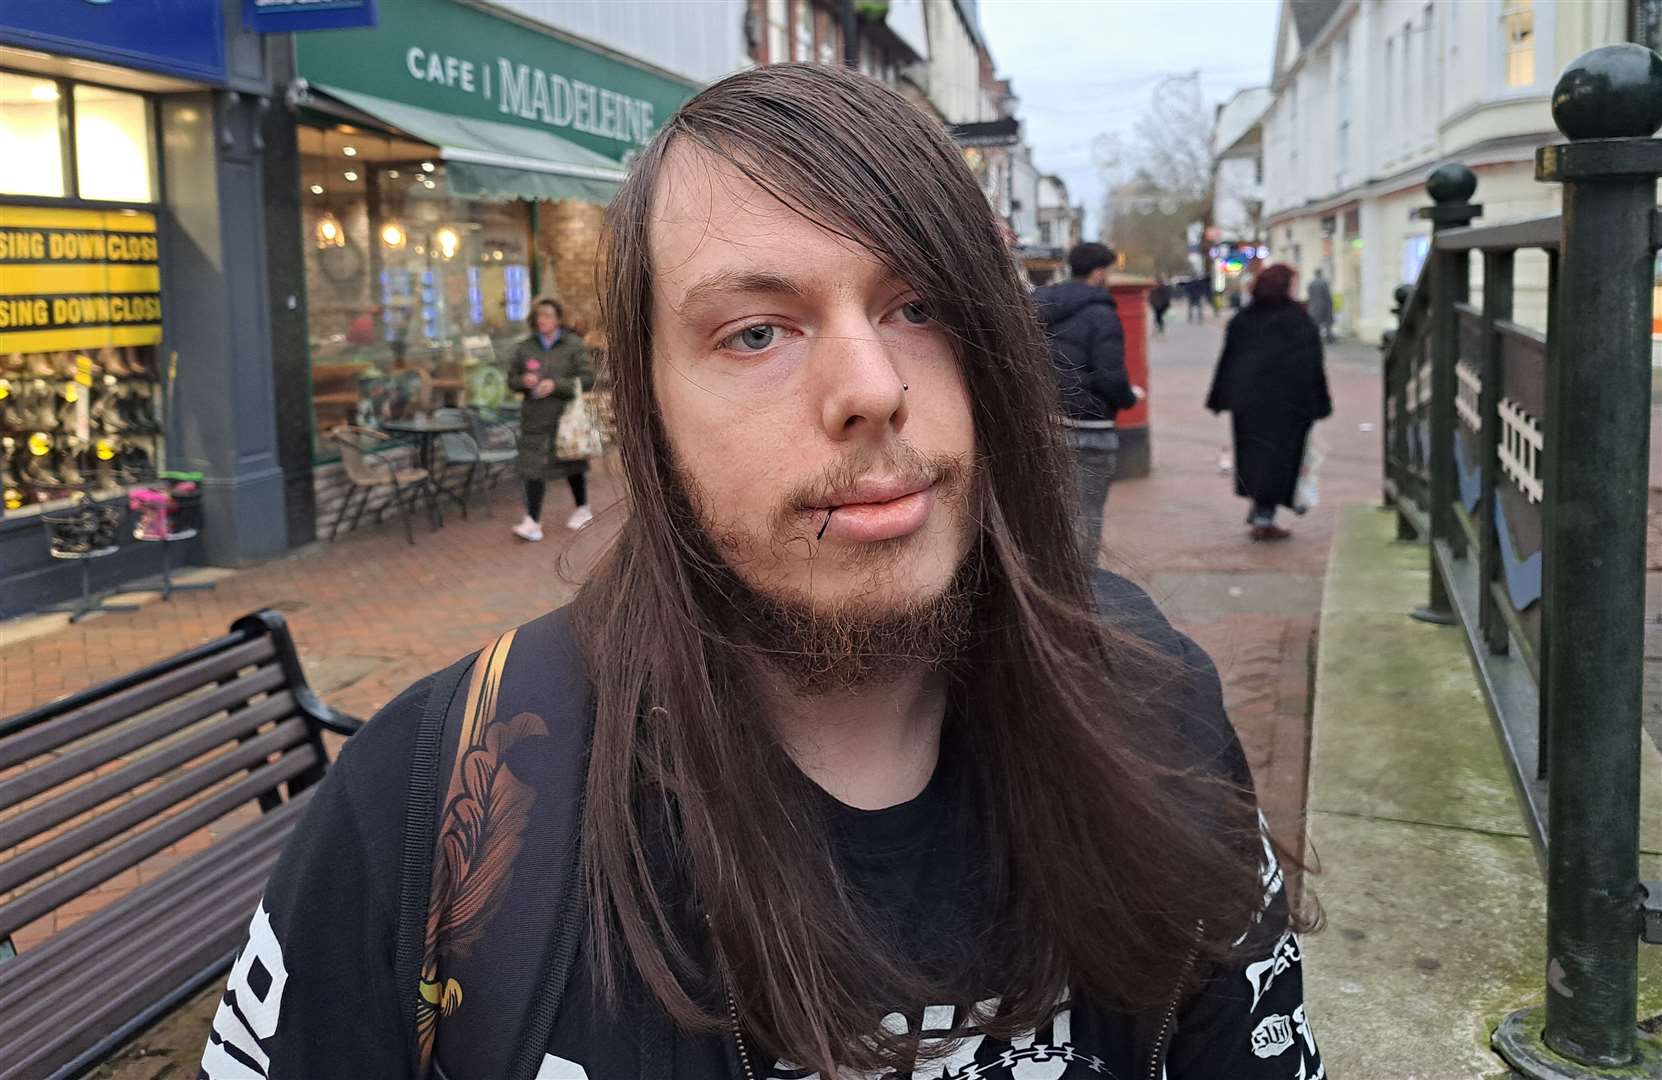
{"x": 314, "y": 994}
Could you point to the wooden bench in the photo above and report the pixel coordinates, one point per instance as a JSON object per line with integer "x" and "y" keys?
{"x": 226, "y": 736}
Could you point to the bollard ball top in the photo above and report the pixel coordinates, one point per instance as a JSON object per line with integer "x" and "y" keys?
{"x": 1612, "y": 92}
{"x": 1451, "y": 183}
{"x": 1401, "y": 294}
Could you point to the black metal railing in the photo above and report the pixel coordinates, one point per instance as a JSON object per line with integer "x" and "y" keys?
{"x": 1522, "y": 459}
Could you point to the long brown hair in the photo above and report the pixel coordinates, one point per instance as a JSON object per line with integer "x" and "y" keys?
{"x": 1093, "y": 877}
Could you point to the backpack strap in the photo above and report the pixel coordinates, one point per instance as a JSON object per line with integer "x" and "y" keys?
{"x": 420, "y": 825}
{"x": 498, "y": 782}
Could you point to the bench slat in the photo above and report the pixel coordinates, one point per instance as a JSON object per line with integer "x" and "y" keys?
{"x": 60, "y": 849}
{"x": 51, "y": 734}
{"x": 38, "y": 819}
{"x": 48, "y": 775}
{"x": 122, "y": 943}
{"x": 138, "y": 967}
{"x": 47, "y": 897}
{"x": 260, "y": 843}
{"x": 25, "y": 720}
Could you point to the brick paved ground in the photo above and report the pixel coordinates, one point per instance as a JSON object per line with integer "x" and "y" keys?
{"x": 372, "y": 613}
{"x": 1180, "y": 532}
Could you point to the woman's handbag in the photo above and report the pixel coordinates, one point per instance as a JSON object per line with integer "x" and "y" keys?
{"x": 578, "y": 437}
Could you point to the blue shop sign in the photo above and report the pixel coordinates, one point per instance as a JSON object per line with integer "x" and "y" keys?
{"x": 185, "y": 38}
{"x": 293, "y": 16}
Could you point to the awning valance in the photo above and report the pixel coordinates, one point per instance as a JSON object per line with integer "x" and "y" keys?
{"x": 492, "y": 160}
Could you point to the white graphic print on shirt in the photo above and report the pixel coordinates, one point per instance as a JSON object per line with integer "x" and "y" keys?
{"x": 1045, "y": 1054}
{"x": 246, "y": 1013}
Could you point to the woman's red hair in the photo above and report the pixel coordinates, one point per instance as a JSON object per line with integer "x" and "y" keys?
{"x": 1274, "y": 285}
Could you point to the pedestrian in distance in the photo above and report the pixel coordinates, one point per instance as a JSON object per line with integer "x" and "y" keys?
{"x": 839, "y": 762}
{"x": 547, "y": 368}
{"x": 1196, "y": 291}
{"x": 1271, "y": 381}
{"x": 1159, "y": 300}
{"x": 1318, "y": 300}
{"x": 1087, "y": 345}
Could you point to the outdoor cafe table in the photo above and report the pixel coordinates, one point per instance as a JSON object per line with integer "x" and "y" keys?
{"x": 425, "y": 431}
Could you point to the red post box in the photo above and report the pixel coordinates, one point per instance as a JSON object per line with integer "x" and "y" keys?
{"x": 1131, "y": 297}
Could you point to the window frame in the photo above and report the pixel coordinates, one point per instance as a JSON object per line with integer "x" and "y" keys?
{"x": 68, "y": 156}
{"x": 1543, "y": 52}
{"x": 1512, "y": 13}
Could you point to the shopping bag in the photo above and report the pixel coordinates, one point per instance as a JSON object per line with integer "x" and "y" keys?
{"x": 1307, "y": 495}
{"x": 578, "y": 437}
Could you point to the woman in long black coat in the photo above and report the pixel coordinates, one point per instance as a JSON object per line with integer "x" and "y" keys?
{"x": 1270, "y": 380}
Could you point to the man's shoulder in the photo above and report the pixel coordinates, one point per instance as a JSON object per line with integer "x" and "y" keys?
{"x": 545, "y": 665}
{"x": 1128, "y": 605}
{"x": 1185, "y": 692}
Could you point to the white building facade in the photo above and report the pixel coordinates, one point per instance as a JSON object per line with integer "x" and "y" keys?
{"x": 1238, "y": 147}
{"x": 1368, "y": 96}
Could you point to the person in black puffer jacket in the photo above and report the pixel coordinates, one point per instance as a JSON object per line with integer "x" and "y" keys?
{"x": 1087, "y": 345}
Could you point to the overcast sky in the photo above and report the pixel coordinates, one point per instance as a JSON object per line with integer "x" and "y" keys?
{"x": 1084, "y": 67}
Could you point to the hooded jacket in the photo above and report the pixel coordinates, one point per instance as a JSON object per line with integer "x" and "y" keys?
{"x": 1087, "y": 345}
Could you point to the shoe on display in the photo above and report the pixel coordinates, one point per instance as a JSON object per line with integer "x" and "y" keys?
{"x": 528, "y": 530}
{"x": 40, "y": 366}
{"x": 138, "y": 362}
{"x": 579, "y": 518}
{"x": 111, "y": 361}
{"x": 106, "y": 414}
{"x": 63, "y": 465}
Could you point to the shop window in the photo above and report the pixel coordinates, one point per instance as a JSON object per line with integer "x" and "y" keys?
{"x": 31, "y": 152}
{"x": 779, "y": 31}
{"x": 804, "y": 31}
{"x": 1517, "y": 23}
{"x": 82, "y": 407}
{"x": 1645, "y": 22}
{"x": 827, "y": 39}
{"x": 112, "y": 145}
{"x": 415, "y": 296}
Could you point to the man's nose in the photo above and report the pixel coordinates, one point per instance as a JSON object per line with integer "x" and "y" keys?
{"x": 857, "y": 387}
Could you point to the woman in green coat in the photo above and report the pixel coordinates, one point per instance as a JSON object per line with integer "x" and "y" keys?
{"x": 546, "y": 370}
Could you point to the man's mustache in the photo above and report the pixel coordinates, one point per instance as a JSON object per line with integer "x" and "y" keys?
{"x": 897, "y": 461}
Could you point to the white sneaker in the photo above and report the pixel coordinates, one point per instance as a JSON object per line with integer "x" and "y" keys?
{"x": 528, "y": 530}
{"x": 579, "y": 518}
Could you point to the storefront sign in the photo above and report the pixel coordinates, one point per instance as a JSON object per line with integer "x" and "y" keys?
{"x": 175, "y": 37}
{"x": 78, "y": 279}
{"x": 457, "y": 59}
{"x": 294, "y": 16}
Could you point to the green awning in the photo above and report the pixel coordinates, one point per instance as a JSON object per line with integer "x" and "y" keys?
{"x": 490, "y": 160}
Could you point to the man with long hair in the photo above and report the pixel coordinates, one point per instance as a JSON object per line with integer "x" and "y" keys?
{"x": 841, "y": 764}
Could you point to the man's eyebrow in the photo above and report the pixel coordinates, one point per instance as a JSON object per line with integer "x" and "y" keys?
{"x": 712, "y": 287}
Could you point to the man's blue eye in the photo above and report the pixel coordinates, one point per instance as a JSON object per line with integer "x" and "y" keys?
{"x": 915, "y": 313}
{"x": 754, "y": 338}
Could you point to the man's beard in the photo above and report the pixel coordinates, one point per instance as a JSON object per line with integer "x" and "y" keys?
{"x": 814, "y": 651}
{"x": 812, "y": 647}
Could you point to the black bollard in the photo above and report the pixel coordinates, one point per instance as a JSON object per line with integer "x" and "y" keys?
{"x": 1608, "y": 103}
{"x": 1450, "y": 188}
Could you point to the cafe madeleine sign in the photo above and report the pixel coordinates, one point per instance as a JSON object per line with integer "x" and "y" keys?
{"x": 490, "y": 62}
{"x": 78, "y": 279}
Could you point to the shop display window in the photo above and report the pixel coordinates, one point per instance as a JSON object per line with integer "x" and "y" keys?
{"x": 81, "y": 400}
{"x": 414, "y": 297}
{"x": 110, "y": 134}
{"x": 112, "y": 145}
{"x": 77, "y": 420}
{"x": 31, "y": 157}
